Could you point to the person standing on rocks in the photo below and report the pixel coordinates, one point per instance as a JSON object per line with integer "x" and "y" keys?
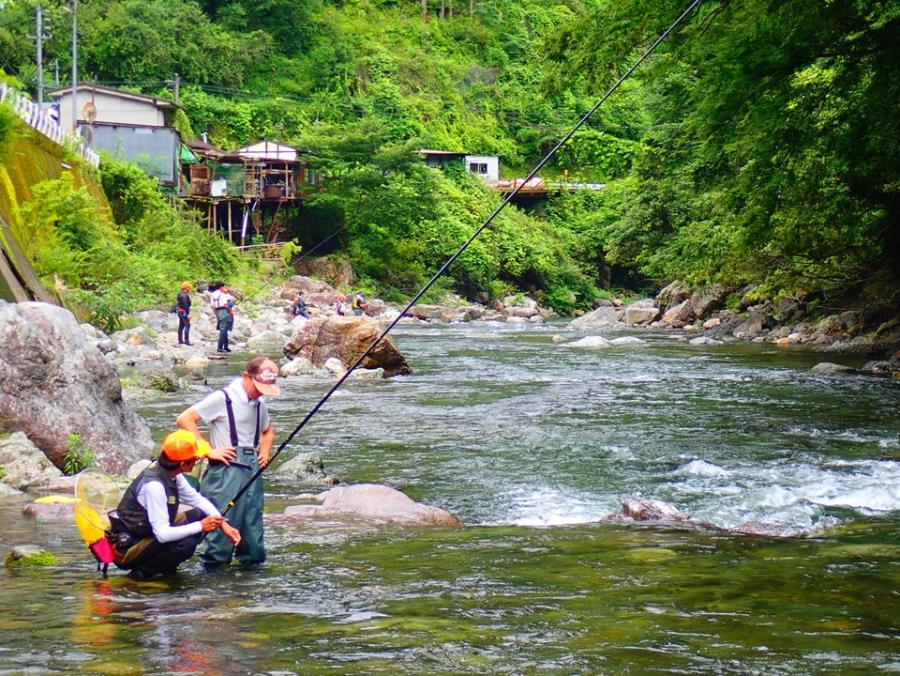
{"x": 222, "y": 303}
{"x": 151, "y": 536}
{"x": 339, "y": 305}
{"x": 242, "y": 437}
{"x": 184, "y": 314}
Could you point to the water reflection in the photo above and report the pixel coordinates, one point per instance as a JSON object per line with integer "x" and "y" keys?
{"x": 506, "y": 429}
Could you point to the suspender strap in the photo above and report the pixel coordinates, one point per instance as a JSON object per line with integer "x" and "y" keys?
{"x": 256, "y": 436}
{"x": 232, "y": 428}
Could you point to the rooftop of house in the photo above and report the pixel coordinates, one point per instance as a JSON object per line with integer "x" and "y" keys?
{"x": 60, "y": 92}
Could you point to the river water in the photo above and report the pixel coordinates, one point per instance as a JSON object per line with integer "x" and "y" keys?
{"x": 529, "y": 443}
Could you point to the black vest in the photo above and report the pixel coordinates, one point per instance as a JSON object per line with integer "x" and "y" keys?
{"x": 132, "y": 515}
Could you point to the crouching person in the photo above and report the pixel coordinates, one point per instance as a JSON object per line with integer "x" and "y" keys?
{"x": 150, "y": 535}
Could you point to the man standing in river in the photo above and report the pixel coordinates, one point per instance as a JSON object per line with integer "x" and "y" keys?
{"x": 242, "y": 438}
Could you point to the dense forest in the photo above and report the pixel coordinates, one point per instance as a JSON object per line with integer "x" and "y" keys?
{"x": 758, "y": 146}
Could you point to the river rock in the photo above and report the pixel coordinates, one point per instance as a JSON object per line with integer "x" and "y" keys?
{"x": 597, "y": 319}
{"x": 306, "y": 468}
{"x": 266, "y": 342}
{"x": 590, "y": 342}
{"x": 678, "y": 315}
{"x": 296, "y": 366}
{"x": 55, "y": 382}
{"x": 23, "y": 463}
{"x": 753, "y": 325}
{"x": 195, "y": 367}
{"x": 627, "y": 341}
{"x": 672, "y": 295}
{"x": 345, "y": 338}
{"x": 319, "y": 294}
{"x": 6, "y": 490}
{"x": 29, "y": 555}
{"x": 50, "y": 511}
{"x": 704, "y": 340}
{"x": 709, "y": 300}
{"x": 334, "y": 269}
{"x": 641, "y": 312}
{"x": 828, "y": 368}
{"x": 372, "y": 502}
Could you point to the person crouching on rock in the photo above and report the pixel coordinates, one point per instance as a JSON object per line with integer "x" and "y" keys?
{"x": 300, "y": 308}
{"x": 150, "y": 534}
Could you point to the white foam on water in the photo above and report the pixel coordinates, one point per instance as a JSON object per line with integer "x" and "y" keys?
{"x": 546, "y": 506}
{"x": 792, "y": 496}
{"x": 702, "y": 468}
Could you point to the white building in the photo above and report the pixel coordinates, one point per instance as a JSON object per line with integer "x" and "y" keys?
{"x": 486, "y": 167}
{"x": 127, "y": 125}
{"x": 96, "y": 104}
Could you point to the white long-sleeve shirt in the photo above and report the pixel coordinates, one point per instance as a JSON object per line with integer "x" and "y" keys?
{"x": 152, "y": 497}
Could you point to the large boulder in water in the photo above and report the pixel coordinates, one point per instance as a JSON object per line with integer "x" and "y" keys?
{"x": 372, "y": 502}
{"x": 54, "y": 382}
{"x": 345, "y": 338}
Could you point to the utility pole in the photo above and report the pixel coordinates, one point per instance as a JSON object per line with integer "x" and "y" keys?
{"x": 56, "y": 71}
{"x": 176, "y": 87}
{"x": 40, "y": 55}
{"x": 74, "y": 66}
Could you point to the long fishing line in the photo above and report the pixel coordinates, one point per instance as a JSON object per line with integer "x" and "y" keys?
{"x": 461, "y": 249}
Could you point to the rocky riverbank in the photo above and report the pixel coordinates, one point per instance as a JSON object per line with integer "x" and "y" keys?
{"x": 718, "y": 315}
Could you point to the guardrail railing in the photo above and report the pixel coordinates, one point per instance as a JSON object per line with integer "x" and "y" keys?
{"x": 40, "y": 120}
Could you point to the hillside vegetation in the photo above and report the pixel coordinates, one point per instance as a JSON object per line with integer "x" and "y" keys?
{"x": 759, "y": 146}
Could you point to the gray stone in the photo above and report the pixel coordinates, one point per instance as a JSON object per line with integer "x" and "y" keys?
{"x": 628, "y": 341}
{"x": 642, "y": 312}
{"x": 589, "y": 342}
{"x": 307, "y": 468}
{"x": 828, "y": 368}
{"x": 29, "y": 555}
{"x": 598, "y": 319}
{"x": 24, "y": 464}
{"x": 50, "y": 511}
{"x": 673, "y": 294}
{"x": 372, "y": 502}
{"x": 709, "y": 300}
{"x": 297, "y": 366}
{"x": 266, "y": 342}
{"x": 679, "y": 315}
{"x": 55, "y": 382}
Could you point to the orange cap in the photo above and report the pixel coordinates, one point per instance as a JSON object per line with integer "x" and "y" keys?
{"x": 182, "y": 446}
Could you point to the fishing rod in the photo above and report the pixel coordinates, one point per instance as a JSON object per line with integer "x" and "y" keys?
{"x": 463, "y": 247}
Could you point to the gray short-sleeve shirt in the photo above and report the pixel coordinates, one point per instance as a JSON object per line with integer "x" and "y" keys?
{"x": 213, "y": 412}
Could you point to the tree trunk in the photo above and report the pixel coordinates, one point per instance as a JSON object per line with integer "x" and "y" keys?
{"x": 424, "y": 10}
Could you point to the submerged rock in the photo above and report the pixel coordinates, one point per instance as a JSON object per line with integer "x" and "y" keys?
{"x": 372, "y": 502}
{"x": 307, "y": 468}
{"x": 638, "y": 510}
{"x": 23, "y": 556}
{"x": 828, "y": 368}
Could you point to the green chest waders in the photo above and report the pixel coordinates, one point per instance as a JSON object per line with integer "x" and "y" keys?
{"x": 220, "y": 483}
